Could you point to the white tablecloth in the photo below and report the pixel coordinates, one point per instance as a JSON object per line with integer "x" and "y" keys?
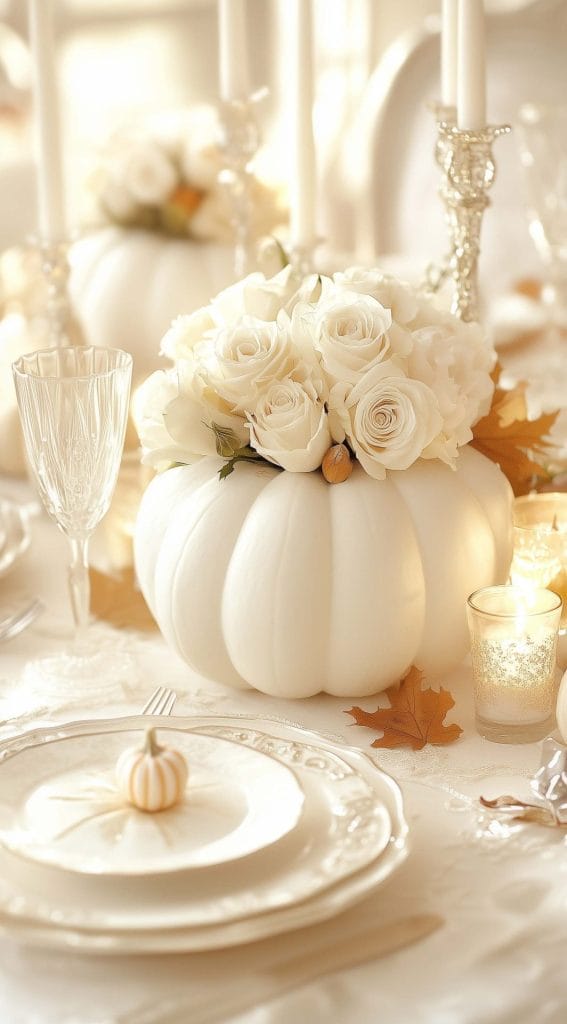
{"x": 500, "y": 957}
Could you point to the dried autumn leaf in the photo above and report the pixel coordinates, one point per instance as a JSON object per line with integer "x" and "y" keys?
{"x": 414, "y": 718}
{"x": 522, "y": 811}
{"x": 506, "y": 436}
{"x": 116, "y": 599}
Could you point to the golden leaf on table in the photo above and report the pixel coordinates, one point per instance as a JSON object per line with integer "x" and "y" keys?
{"x": 521, "y": 811}
{"x": 117, "y": 599}
{"x": 505, "y": 435}
{"x": 414, "y": 718}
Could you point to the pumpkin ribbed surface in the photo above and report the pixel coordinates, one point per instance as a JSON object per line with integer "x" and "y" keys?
{"x": 127, "y": 285}
{"x": 152, "y": 781}
{"x": 279, "y": 581}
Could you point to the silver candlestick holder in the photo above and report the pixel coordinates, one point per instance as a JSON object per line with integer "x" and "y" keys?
{"x": 62, "y": 326}
{"x": 239, "y": 141}
{"x": 466, "y": 160}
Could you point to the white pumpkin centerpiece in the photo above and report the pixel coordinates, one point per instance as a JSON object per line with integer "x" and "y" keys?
{"x": 258, "y": 570}
{"x": 164, "y": 238}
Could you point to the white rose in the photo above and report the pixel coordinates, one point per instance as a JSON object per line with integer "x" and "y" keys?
{"x": 240, "y": 362}
{"x": 186, "y": 332}
{"x": 232, "y": 303}
{"x": 455, "y": 360}
{"x": 351, "y": 332}
{"x": 176, "y": 419}
{"x": 290, "y": 426}
{"x": 431, "y": 311}
{"x": 266, "y": 297}
{"x": 389, "y": 419}
{"x": 149, "y": 174}
{"x": 149, "y": 403}
{"x": 117, "y": 201}
{"x": 396, "y": 295}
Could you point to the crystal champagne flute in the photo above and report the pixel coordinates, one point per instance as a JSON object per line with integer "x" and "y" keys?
{"x": 73, "y": 404}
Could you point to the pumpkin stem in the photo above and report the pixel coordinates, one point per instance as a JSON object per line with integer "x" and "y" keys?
{"x": 151, "y": 745}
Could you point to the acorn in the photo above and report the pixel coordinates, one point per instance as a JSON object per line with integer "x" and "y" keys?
{"x": 337, "y": 464}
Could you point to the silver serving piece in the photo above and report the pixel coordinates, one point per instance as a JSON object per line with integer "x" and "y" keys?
{"x": 466, "y": 160}
{"x": 239, "y": 141}
{"x": 550, "y": 781}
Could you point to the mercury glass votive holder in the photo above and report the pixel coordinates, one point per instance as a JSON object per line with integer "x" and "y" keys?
{"x": 513, "y": 647}
{"x": 540, "y": 545}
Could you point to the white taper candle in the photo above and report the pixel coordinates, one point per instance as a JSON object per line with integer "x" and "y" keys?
{"x": 303, "y": 179}
{"x": 47, "y": 132}
{"x": 234, "y": 82}
{"x": 449, "y": 53}
{"x": 471, "y": 57}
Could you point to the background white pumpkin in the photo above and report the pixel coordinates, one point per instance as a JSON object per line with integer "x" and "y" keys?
{"x": 128, "y": 285}
{"x": 284, "y": 583}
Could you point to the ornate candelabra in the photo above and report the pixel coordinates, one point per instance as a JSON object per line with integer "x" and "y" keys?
{"x": 239, "y": 140}
{"x": 466, "y": 160}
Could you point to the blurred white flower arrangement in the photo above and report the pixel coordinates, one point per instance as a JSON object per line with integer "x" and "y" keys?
{"x": 163, "y": 175}
{"x": 287, "y": 368}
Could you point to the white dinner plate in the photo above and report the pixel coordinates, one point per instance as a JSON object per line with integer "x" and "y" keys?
{"x": 60, "y": 804}
{"x": 14, "y": 534}
{"x": 56, "y": 918}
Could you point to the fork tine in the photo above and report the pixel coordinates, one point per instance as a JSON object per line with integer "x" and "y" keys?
{"x": 170, "y": 702}
{"x": 149, "y": 707}
{"x": 161, "y": 702}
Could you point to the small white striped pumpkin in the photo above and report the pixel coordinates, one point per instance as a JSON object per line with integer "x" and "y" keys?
{"x": 152, "y": 778}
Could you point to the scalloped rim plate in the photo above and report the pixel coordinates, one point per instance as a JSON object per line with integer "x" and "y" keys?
{"x": 55, "y": 930}
{"x": 60, "y": 805}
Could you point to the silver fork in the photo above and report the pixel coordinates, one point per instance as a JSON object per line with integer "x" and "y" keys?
{"x": 14, "y": 624}
{"x": 161, "y": 702}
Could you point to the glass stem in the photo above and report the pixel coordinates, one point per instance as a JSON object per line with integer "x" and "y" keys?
{"x": 79, "y": 587}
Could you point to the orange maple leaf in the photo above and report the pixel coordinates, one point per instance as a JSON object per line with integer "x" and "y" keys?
{"x": 506, "y": 436}
{"x": 118, "y": 600}
{"x": 414, "y": 718}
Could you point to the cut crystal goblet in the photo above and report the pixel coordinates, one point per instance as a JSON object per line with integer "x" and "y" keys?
{"x": 73, "y": 405}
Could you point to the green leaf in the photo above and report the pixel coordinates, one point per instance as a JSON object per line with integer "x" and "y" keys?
{"x": 227, "y": 469}
{"x": 226, "y": 441}
{"x": 245, "y": 454}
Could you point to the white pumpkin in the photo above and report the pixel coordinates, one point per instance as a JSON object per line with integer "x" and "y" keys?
{"x": 152, "y": 778}
{"x": 281, "y": 582}
{"x": 128, "y": 285}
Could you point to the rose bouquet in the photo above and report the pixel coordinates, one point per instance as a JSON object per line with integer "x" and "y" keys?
{"x": 164, "y": 176}
{"x": 309, "y": 371}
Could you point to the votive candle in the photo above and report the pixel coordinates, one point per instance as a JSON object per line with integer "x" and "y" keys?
{"x": 540, "y": 544}
{"x": 513, "y": 649}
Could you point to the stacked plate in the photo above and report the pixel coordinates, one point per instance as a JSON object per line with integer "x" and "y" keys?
{"x": 280, "y": 828}
{"x": 14, "y": 534}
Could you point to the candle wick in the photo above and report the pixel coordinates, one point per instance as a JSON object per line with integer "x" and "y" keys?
{"x": 555, "y": 525}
